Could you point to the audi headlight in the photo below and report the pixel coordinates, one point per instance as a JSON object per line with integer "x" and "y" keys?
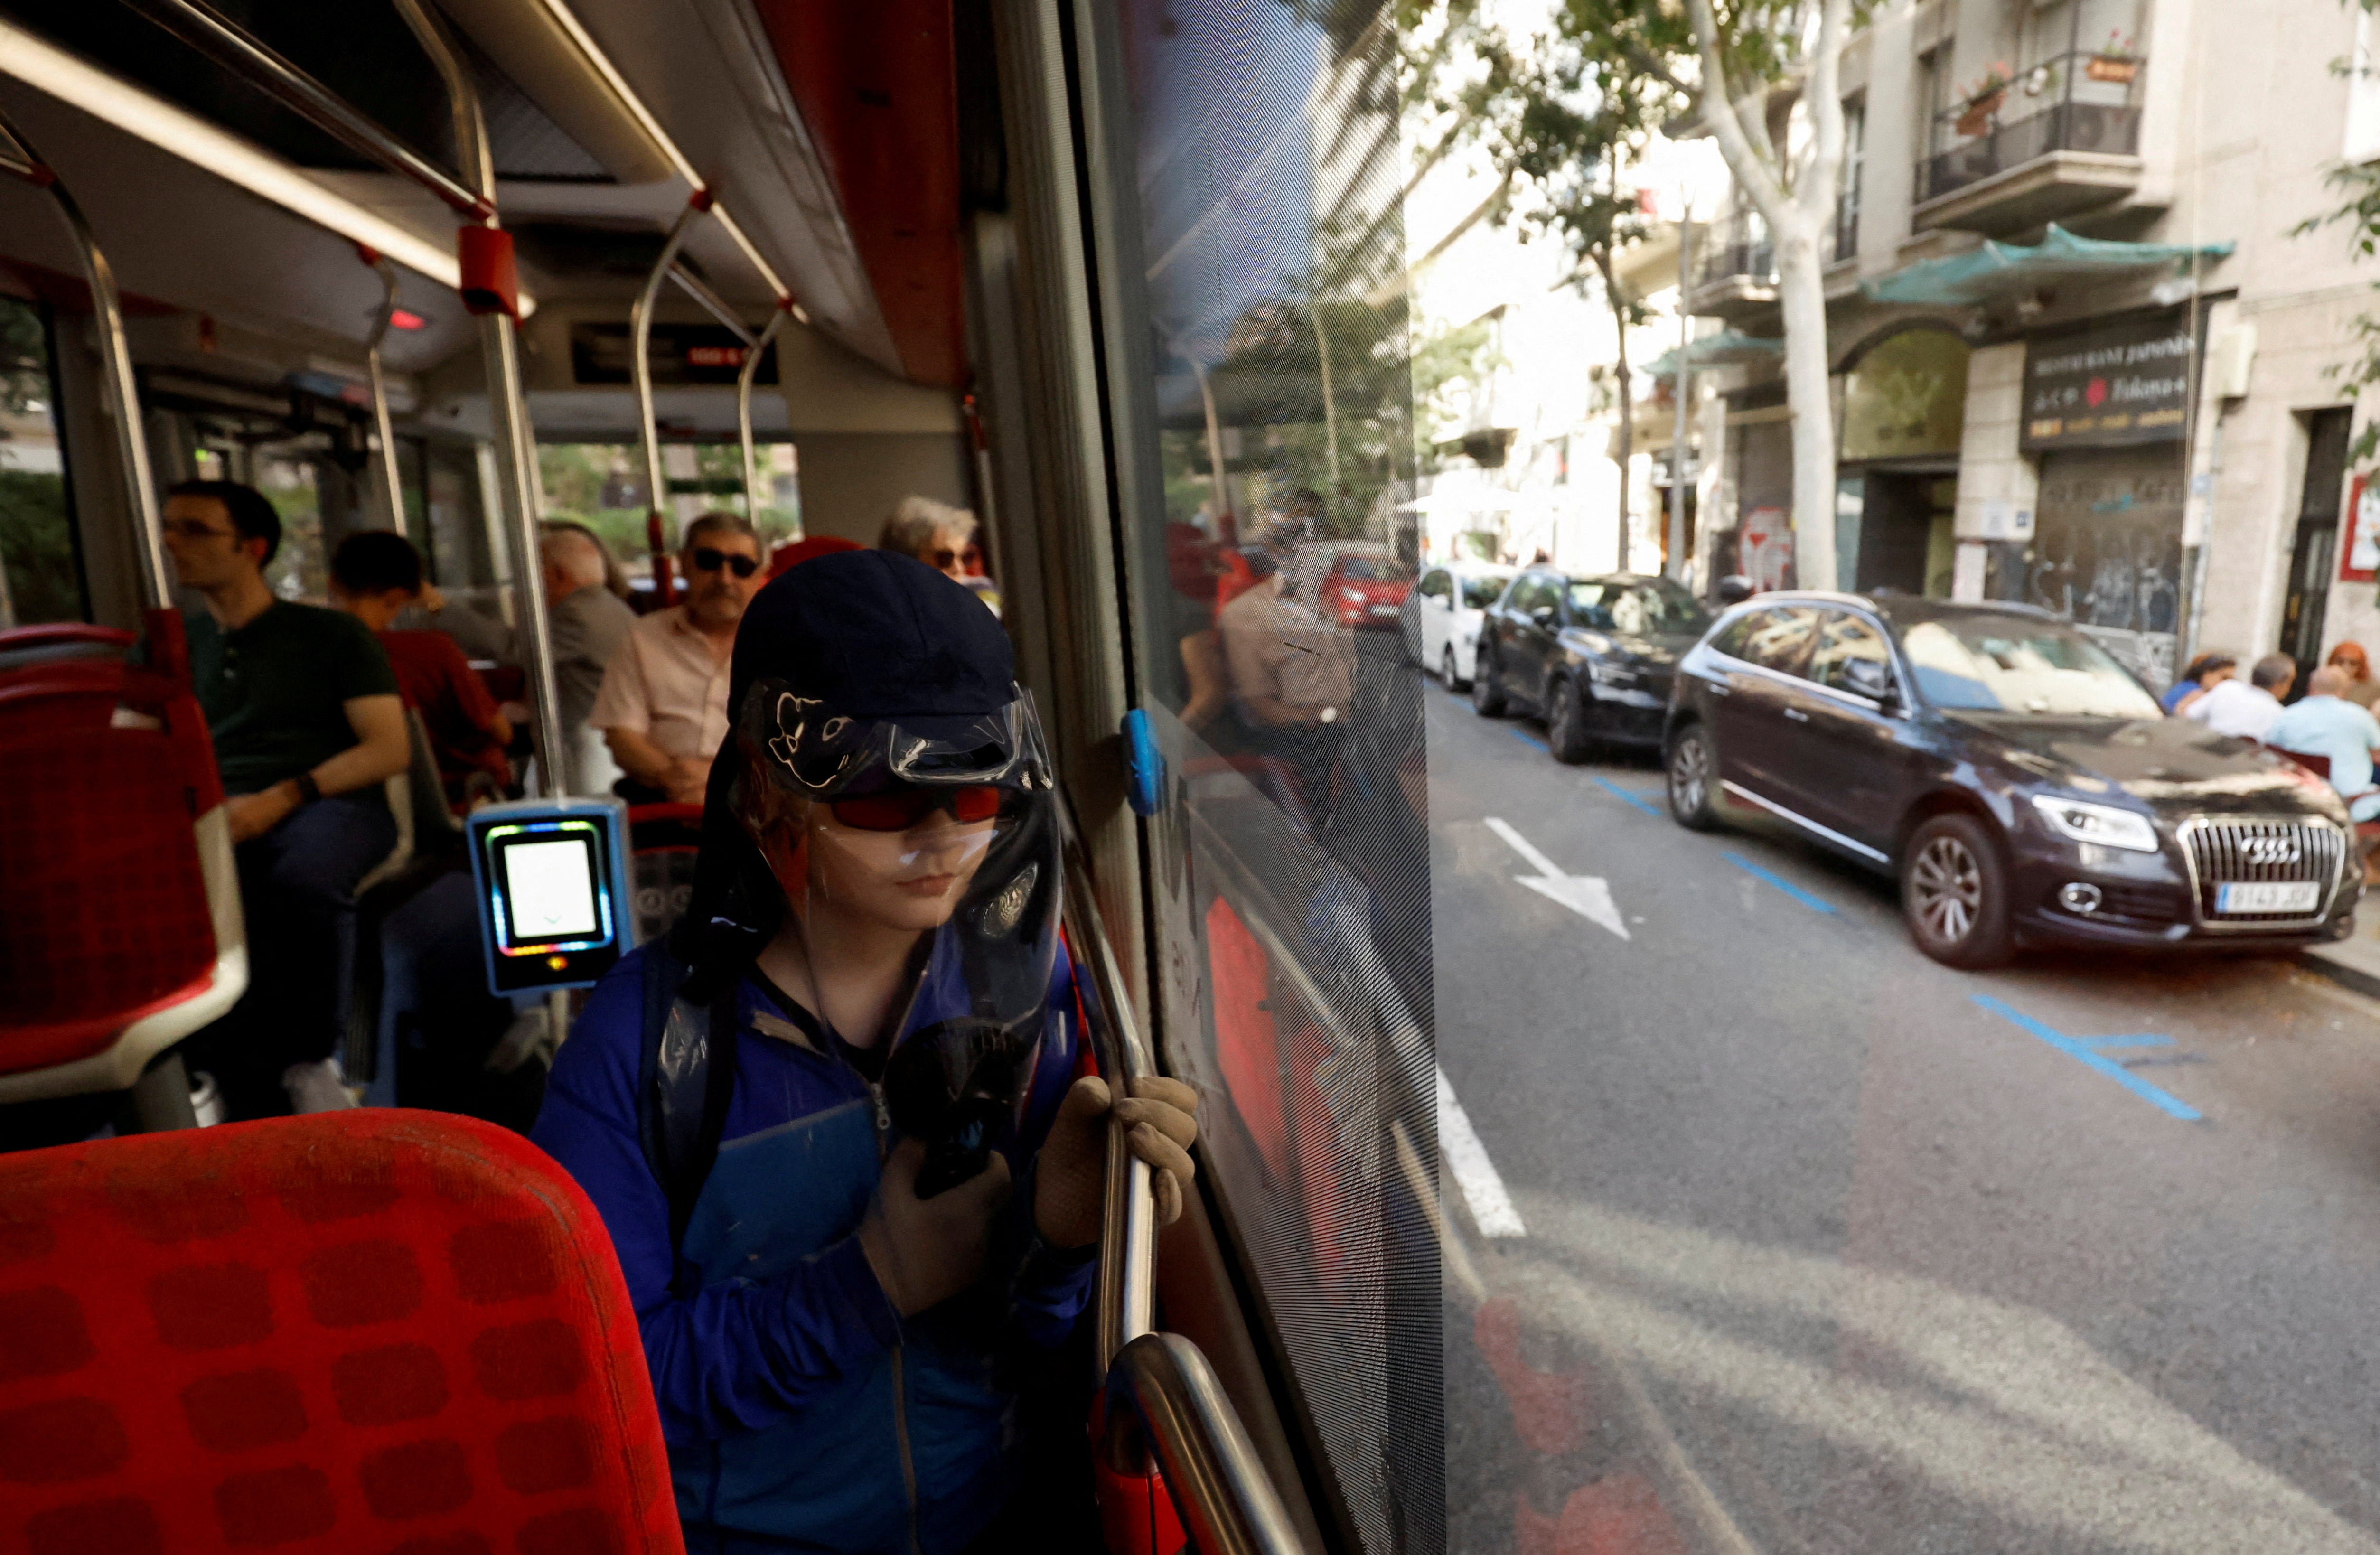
{"x": 1605, "y": 672}
{"x": 2103, "y": 824}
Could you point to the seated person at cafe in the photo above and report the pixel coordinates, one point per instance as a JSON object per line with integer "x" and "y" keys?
{"x": 308, "y": 725}
{"x": 2246, "y": 711}
{"x": 374, "y": 576}
{"x": 663, "y": 705}
{"x": 2326, "y": 724}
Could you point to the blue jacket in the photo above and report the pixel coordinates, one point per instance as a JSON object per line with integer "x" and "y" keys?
{"x": 801, "y": 1411}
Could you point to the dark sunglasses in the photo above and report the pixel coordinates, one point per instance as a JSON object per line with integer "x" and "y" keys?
{"x": 708, "y": 560}
{"x": 944, "y": 558}
{"x": 899, "y": 809}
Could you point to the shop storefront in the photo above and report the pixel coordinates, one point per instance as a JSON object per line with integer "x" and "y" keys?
{"x": 2105, "y": 409}
{"x": 1904, "y": 410}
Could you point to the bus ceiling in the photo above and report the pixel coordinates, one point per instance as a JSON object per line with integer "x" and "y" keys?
{"x": 831, "y": 137}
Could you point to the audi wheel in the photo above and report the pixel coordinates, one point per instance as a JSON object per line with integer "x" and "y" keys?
{"x": 1566, "y": 722}
{"x": 1449, "y": 673}
{"x": 1954, "y": 892}
{"x": 1693, "y": 768}
{"x": 1487, "y": 696}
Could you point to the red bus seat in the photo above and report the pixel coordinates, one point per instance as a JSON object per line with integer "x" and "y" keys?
{"x": 120, "y": 928}
{"x": 353, "y": 1331}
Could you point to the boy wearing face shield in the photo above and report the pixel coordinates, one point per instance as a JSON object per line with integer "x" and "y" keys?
{"x": 835, "y": 1127}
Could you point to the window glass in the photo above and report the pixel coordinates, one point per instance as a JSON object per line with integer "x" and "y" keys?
{"x": 1361, "y": 569}
{"x": 1657, "y": 608}
{"x": 1779, "y": 638}
{"x": 1589, "y": 605}
{"x": 2016, "y": 663}
{"x": 1850, "y": 656}
{"x": 1534, "y": 593}
{"x": 41, "y": 576}
{"x": 1480, "y": 593}
{"x": 1436, "y": 587}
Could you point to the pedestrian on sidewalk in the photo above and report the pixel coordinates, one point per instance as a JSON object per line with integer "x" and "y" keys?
{"x": 2329, "y": 725}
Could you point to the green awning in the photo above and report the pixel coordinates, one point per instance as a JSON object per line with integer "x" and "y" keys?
{"x": 1999, "y": 270}
{"x": 1713, "y": 351}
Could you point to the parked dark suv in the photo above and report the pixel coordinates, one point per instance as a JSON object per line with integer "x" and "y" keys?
{"x": 1591, "y": 655}
{"x": 2018, "y": 779}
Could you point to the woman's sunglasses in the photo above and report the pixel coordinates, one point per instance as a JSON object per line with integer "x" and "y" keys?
{"x": 708, "y": 560}
{"x": 900, "y": 809}
{"x": 971, "y": 557}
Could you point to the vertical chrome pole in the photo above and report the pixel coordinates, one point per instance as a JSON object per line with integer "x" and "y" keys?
{"x": 1677, "y": 567}
{"x": 640, "y": 371}
{"x": 381, "y": 428}
{"x": 116, "y": 362}
{"x": 752, "y": 356}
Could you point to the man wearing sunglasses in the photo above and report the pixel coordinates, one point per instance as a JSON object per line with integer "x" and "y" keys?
{"x": 663, "y": 705}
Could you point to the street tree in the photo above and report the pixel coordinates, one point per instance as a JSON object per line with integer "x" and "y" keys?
{"x": 1764, "y": 77}
{"x": 1565, "y": 127}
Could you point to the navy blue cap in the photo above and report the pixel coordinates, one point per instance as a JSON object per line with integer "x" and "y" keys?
{"x": 875, "y": 635}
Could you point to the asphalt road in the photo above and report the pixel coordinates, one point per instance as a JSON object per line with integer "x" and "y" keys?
{"x": 1814, "y": 1245}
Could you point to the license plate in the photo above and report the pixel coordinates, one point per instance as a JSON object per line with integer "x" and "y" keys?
{"x": 2268, "y": 896}
{"x": 1384, "y": 609}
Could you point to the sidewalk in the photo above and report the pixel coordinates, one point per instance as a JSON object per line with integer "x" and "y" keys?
{"x": 2353, "y": 962}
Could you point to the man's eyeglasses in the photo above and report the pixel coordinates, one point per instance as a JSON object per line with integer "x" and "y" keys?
{"x": 708, "y": 560}
{"x": 971, "y": 557}
{"x": 901, "y": 809}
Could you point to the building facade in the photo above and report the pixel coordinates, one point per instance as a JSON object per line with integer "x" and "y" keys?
{"x": 2085, "y": 356}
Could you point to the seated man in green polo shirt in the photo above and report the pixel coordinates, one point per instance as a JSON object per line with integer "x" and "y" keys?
{"x": 307, "y": 724}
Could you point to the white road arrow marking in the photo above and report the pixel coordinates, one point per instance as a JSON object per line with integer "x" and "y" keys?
{"x": 1586, "y": 895}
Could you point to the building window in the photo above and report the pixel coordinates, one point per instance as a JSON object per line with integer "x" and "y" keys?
{"x": 2362, "y": 96}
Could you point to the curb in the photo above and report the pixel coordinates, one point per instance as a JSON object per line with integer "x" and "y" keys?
{"x": 2352, "y": 977}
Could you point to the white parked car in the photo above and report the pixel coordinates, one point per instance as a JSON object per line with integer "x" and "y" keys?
{"x": 1448, "y": 606}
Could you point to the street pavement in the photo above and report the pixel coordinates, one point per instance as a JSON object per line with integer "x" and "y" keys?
{"x": 1768, "y": 1233}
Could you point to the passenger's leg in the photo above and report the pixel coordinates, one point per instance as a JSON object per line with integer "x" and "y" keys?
{"x": 325, "y": 849}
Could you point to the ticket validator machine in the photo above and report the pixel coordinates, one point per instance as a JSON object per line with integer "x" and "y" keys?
{"x": 555, "y": 898}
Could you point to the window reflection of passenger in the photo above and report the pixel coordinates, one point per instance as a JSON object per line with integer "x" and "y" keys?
{"x": 1290, "y": 681}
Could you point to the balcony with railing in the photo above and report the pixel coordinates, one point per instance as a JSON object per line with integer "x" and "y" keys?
{"x": 2061, "y": 137}
{"x": 1734, "y": 270}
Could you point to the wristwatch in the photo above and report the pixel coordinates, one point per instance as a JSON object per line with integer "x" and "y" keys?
{"x": 308, "y": 789}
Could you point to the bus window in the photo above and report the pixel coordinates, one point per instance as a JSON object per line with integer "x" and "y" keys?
{"x": 40, "y": 571}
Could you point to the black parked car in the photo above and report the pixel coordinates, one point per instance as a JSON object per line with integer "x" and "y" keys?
{"x": 2020, "y": 781}
{"x": 1593, "y": 656}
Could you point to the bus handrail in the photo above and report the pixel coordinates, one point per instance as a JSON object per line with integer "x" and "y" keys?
{"x": 382, "y": 428}
{"x": 1161, "y": 1382}
{"x": 712, "y": 303}
{"x": 246, "y": 56}
{"x": 1126, "y": 1297}
{"x": 640, "y": 373}
{"x": 744, "y": 379}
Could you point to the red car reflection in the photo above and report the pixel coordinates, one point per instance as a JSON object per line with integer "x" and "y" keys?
{"x": 1361, "y": 590}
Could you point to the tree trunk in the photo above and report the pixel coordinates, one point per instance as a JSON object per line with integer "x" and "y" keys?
{"x": 1626, "y": 455}
{"x": 1802, "y": 292}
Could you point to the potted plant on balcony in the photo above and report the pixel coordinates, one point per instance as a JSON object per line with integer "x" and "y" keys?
{"x": 2113, "y": 61}
{"x": 1979, "y": 103}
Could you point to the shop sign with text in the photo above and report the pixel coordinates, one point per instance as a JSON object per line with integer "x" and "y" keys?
{"x": 2120, "y": 384}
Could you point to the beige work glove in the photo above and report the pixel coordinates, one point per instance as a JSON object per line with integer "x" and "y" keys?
{"x": 1161, "y": 1122}
{"x": 925, "y": 1251}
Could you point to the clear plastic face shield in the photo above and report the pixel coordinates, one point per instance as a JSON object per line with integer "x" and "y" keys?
{"x": 943, "y": 830}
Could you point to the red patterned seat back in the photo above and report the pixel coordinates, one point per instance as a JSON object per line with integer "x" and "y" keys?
{"x": 108, "y": 914}
{"x": 362, "y": 1331}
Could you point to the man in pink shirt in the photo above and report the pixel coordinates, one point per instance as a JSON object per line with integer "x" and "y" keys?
{"x": 664, "y": 705}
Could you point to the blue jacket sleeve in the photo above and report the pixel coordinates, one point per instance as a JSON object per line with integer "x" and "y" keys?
{"x": 740, "y": 1355}
{"x": 1051, "y": 1286}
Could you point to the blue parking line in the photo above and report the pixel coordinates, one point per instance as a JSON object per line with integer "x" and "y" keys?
{"x": 1527, "y": 739}
{"x": 2086, "y": 1049}
{"x": 1636, "y": 799}
{"x": 1816, "y": 903}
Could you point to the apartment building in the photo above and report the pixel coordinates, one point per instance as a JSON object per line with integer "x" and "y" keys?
{"x": 2083, "y": 356}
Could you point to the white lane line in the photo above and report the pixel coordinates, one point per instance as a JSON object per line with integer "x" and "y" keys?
{"x": 1587, "y": 895}
{"x": 1459, "y": 1145}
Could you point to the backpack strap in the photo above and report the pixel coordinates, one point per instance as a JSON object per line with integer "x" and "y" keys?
{"x": 686, "y": 1077}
